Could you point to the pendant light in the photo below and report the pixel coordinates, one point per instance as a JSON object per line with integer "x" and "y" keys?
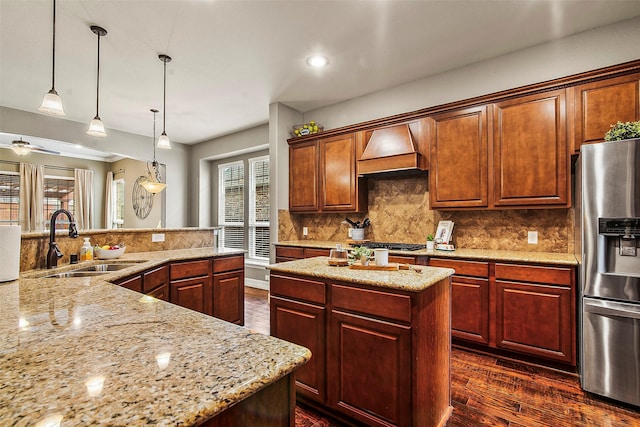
{"x": 52, "y": 103}
{"x": 153, "y": 183}
{"x": 96, "y": 127}
{"x": 163, "y": 141}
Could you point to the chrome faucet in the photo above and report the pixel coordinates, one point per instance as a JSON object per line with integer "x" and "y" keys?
{"x": 54, "y": 252}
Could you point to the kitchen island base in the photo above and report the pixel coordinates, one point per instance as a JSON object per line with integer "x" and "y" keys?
{"x": 380, "y": 341}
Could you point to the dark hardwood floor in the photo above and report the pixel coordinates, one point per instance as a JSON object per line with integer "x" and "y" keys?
{"x": 487, "y": 391}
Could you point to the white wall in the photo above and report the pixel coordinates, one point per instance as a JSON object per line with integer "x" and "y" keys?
{"x": 118, "y": 142}
{"x": 246, "y": 141}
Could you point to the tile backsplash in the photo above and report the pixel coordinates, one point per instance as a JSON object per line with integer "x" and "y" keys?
{"x": 399, "y": 212}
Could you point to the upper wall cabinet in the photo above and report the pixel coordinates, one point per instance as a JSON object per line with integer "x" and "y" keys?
{"x": 459, "y": 162}
{"x": 322, "y": 176}
{"x": 530, "y": 154}
{"x": 600, "y": 104}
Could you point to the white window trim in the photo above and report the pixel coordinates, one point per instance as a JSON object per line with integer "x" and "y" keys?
{"x": 221, "y": 199}
{"x": 253, "y": 224}
{"x": 114, "y": 187}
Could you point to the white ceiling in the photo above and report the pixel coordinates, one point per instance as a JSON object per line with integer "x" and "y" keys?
{"x": 231, "y": 59}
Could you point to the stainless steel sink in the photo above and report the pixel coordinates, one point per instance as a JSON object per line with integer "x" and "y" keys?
{"x": 75, "y": 274}
{"x": 90, "y": 270}
{"x": 103, "y": 268}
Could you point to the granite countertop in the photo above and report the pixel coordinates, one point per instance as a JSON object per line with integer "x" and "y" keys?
{"x": 474, "y": 254}
{"x": 406, "y": 280}
{"x": 90, "y": 352}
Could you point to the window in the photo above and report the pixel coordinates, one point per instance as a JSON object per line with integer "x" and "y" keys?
{"x": 9, "y": 198}
{"x": 231, "y": 204}
{"x": 259, "y": 208}
{"x": 58, "y": 194}
{"x": 117, "y": 190}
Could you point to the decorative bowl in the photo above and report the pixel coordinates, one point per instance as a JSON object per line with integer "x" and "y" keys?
{"x": 100, "y": 253}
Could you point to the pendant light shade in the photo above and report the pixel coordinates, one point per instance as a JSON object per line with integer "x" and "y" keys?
{"x": 96, "y": 127}
{"x": 153, "y": 182}
{"x": 52, "y": 103}
{"x": 163, "y": 141}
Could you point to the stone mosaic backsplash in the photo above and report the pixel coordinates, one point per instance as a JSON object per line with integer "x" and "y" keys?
{"x": 399, "y": 212}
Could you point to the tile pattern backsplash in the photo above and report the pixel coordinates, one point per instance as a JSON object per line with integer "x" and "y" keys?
{"x": 399, "y": 212}
{"x": 34, "y": 246}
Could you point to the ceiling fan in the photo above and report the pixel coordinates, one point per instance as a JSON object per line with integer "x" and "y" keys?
{"x": 22, "y": 148}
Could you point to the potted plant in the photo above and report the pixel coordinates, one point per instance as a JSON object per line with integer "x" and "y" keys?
{"x": 360, "y": 253}
{"x": 430, "y": 242}
{"x": 620, "y": 131}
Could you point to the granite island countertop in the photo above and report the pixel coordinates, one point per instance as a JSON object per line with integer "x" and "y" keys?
{"x": 90, "y": 352}
{"x": 465, "y": 253}
{"x": 413, "y": 280}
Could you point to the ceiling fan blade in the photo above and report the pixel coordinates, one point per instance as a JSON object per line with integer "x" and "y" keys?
{"x": 44, "y": 150}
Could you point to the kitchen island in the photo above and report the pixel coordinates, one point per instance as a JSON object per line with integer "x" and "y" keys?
{"x": 381, "y": 340}
{"x": 82, "y": 351}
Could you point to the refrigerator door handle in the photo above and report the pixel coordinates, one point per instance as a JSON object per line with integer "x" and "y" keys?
{"x": 611, "y": 308}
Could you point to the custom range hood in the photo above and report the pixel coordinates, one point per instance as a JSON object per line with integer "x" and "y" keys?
{"x": 399, "y": 149}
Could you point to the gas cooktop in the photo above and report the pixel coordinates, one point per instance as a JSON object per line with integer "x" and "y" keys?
{"x": 395, "y": 246}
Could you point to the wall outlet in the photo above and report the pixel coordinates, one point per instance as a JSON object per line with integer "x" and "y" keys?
{"x": 532, "y": 237}
{"x": 305, "y": 231}
{"x": 266, "y": 277}
{"x": 157, "y": 237}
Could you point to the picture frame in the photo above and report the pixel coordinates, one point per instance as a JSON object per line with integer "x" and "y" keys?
{"x": 444, "y": 232}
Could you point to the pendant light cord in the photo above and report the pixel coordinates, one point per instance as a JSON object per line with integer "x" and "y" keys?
{"x": 53, "y": 70}
{"x": 164, "y": 101}
{"x": 98, "y": 79}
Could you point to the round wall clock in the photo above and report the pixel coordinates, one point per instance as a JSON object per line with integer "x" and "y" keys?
{"x": 141, "y": 198}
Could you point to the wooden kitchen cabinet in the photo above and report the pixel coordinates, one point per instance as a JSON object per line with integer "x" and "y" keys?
{"x": 469, "y": 299}
{"x": 530, "y": 155}
{"x": 291, "y": 253}
{"x": 156, "y": 283}
{"x": 535, "y": 311}
{"x": 228, "y": 288}
{"x": 191, "y": 285}
{"x": 304, "y": 180}
{"x": 298, "y": 315}
{"x": 459, "y": 159}
{"x": 602, "y": 103}
{"x": 134, "y": 283}
{"x": 322, "y": 176}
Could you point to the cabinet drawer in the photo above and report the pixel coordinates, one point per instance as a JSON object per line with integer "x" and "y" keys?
{"x": 462, "y": 268}
{"x": 302, "y": 289}
{"x": 154, "y": 278}
{"x": 184, "y": 270}
{"x": 402, "y": 259}
{"x": 313, "y": 252}
{"x": 373, "y": 303}
{"x": 228, "y": 263}
{"x": 289, "y": 252}
{"x": 134, "y": 283}
{"x": 537, "y": 274}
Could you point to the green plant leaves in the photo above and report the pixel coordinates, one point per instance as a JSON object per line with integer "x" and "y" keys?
{"x": 620, "y": 131}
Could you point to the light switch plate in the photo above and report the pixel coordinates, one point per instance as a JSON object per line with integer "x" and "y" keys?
{"x": 157, "y": 237}
{"x": 532, "y": 237}
{"x": 305, "y": 231}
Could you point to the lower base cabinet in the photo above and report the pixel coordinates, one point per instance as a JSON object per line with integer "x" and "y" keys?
{"x": 379, "y": 356}
{"x": 519, "y": 308}
{"x": 213, "y": 286}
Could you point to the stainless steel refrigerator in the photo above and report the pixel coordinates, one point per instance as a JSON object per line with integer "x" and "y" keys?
{"x": 607, "y": 247}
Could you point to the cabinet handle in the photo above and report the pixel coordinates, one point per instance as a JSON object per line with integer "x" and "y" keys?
{"x": 610, "y": 308}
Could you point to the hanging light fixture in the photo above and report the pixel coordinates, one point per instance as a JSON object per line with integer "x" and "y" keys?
{"x": 21, "y": 148}
{"x": 153, "y": 182}
{"x": 52, "y": 103}
{"x": 96, "y": 127}
{"x": 163, "y": 141}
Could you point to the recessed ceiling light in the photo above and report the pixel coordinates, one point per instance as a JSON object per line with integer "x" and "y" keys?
{"x": 317, "y": 61}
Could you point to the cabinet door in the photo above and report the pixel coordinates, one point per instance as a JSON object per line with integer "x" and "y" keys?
{"x": 228, "y": 296}
{"x": 155, "y": 278}
{"x": 470, "y": 309}
{"x": 370, "y": 369}
{"x": 161, "y": 292}
{"x": 134, "y": 283}
{"x": 338, "y": 174}
{"x": 303, "y": 324}
{"x": 535, "y": 319}
{"x": 598, "y": 105}
{"x": 303, "y": 177}
{"x": 459, "y": 162}
{"x": 193, "y": 293}
{"x": 530, "y": 155}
